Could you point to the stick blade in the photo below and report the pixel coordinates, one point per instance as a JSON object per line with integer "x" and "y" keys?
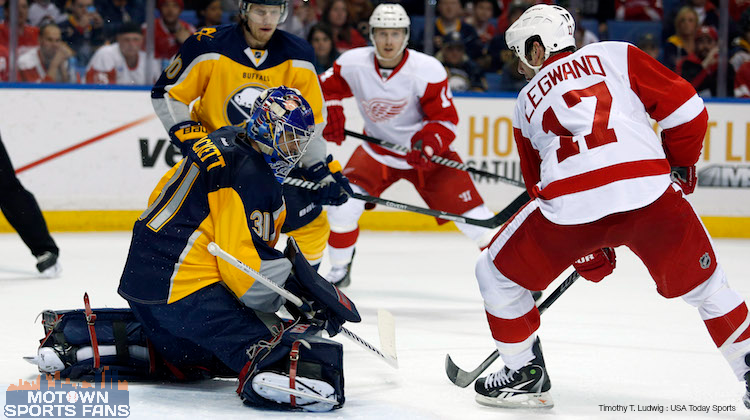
{"x": 455, "y": 374}
{"x": 387, "y": 332}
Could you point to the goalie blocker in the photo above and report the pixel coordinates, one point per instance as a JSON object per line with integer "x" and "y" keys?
{"x": 288, "y": 365}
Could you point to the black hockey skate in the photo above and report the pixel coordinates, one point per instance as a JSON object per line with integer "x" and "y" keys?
{"x": 47, "y": 264}
{"x": 341, "y": 276}
{"x": 746, "y": 397}
{"x": 524, "y": 388}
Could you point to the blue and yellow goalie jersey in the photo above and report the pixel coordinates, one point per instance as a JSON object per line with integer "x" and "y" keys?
{"x": 222, "y": 191}
{"x": 223, "y": 75}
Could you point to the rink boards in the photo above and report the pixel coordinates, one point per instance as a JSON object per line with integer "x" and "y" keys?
{"x": 92, "y": 156}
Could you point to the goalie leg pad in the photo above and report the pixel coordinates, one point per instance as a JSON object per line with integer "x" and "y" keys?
{"x": 299, "y": 355}
{"x": 118, "y": 342}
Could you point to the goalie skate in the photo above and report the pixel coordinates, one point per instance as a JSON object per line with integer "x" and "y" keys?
{"x": 526, "y": 387}
{"x": 309, "y": 394}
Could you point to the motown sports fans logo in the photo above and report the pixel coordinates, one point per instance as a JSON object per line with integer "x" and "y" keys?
{"x": 240, "y": 102}
{"x": 50, "y": 397}
{"x": 728, "y": 176}
{"x": 379, "y": 110}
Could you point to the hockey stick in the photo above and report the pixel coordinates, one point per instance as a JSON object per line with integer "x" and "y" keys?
{"x": 492, "y": 222}
{"x": 462, "y": 378}
{"x": 391, "y": 358}
{"x": 435, "y": 159}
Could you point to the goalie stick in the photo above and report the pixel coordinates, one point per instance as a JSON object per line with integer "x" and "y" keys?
{"x": 462, "y": 378}
{"x": 435, "y": 159}
{"x": 492, "y": 222}
{"x": 386, "y": 328}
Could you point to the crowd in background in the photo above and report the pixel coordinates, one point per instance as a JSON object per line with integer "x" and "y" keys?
{"x": 102, "y": 41}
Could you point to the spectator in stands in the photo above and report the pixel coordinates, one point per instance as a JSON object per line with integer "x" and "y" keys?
{"x": 28, "y": 35}
{"x": 450, "y": 13}
{"x": 209, "y": 13}
{"x": 737, "y": 8}
{"x": 742, "y": 81}
{"x": 648, "y": 44}
{"x": 511, "y": 80}
{"x": 170, "y": 31}
{"x": 47, "y": 63}
{"x": 83, "y": 31}
{"x": 124, "y": 62}
{"x": 346, "y": 37}
{"x": 293, "y": 24}
{"x": 44, "y": 11}
{"x": 359, "y": 16}
{"x": 306, "y": 13}
{"x": 682, "y": 43}
{"x": 116, "y": 12}
{"x": 740, "y": 52}
{"x": 3, "y": 64}
{"x": 638, "y": 10}
{"x": 701, "y": 67}
{"x": 482, "y": 13}
{"x": 708, "y": 14}
{"x": 498, "y": 50}
{"x": 321, "y": 39}
{"x": 463, "y": 74}
{"x": 583, "y": 36}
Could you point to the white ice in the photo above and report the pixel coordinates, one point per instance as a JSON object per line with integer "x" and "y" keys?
{"x": 616, "y": 342}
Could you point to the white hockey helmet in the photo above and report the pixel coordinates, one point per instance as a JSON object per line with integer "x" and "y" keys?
{"x": 389, "y": 16}
{"x": 553, "y": 25}
{"x": 245, "y": 6}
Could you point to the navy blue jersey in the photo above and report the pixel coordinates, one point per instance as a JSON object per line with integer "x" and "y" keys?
{"x": 222, "y": 191}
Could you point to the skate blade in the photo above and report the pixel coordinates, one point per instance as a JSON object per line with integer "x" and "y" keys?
{"x": 538, "y": 400}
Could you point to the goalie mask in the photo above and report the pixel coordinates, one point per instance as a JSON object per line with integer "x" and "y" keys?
{"x": 282, "y": 124}
{"x": 551, "y": 26}
{"x": 389, "y": 16}
{"x": 247, "y": 5}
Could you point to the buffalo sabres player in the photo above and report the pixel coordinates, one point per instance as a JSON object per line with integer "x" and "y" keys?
{"x": 204, "y": 316}
{"x": 216, "y": 76}
{"x": 600, "y": 178}
{"x": 404, "y": 98}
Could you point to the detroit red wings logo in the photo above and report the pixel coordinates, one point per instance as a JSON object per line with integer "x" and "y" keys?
{"x": 379, "y": 110}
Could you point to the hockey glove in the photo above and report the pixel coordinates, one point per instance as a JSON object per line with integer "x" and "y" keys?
{"x": 424, "y": 145}
{"x": 597, "y": 265}
{"x": 334, "y": 129}
{"x": 335, "y": 188}
{"x": 186, "y": 132}
{"x": 685, "y": 177}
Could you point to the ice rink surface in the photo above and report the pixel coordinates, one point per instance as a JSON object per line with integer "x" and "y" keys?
{"x": 613, "y": 343}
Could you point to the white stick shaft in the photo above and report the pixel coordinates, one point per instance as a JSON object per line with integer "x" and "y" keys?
{"x": 369, "y": 347}
{"x": 216, "y": 251}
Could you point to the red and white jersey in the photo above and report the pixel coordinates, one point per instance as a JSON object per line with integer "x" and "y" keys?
{"x": 582, "y": 129}
{"x": 31, "y": 70}
{"x": 108, "y": 67}
{"x": 395, "y": 103}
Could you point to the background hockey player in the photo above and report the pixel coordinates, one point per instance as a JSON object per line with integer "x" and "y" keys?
{"x": 223, "y": 69}
{"x": 404, "y": 98}
{"x": 599, "y": 178}
{"x": 202, "y": 315}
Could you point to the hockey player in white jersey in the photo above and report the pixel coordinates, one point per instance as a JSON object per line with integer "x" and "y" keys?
{"x": 404, "y": 98}
{"x": 599, "y": 178}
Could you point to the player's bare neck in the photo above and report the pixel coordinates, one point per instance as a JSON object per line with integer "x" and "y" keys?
{"x": 252, "y": 41}
{"x": 390, "y": 64}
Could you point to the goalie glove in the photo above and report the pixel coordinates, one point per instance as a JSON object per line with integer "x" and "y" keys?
{"x": 685, "y": 177}
{"x": 186, "y": 132}
{"x": 335, "y": 188}
{"x": 597, "y": 265}
{"x": 334, "y": 129}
